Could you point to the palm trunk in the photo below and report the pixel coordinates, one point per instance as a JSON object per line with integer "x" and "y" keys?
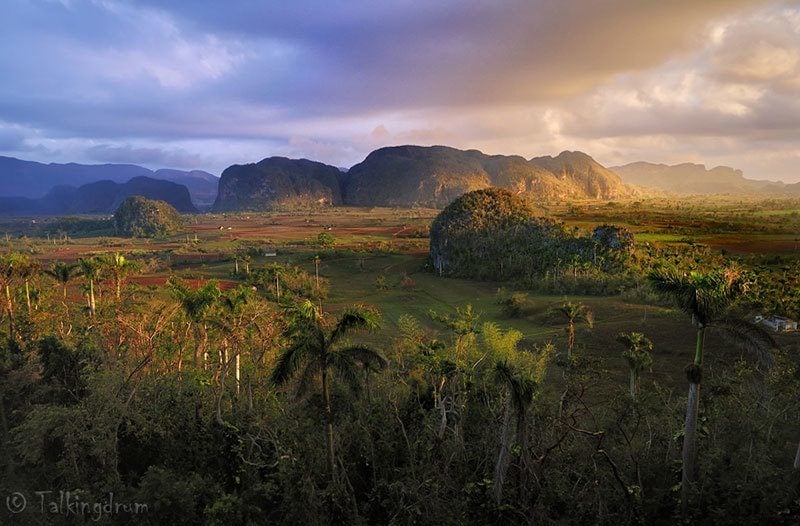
{"x": 119, "y": 287}
{"x": 205, "y": 346}
{"x": 571, "y": 339}
{"x": 502, "y": 458}
{"x": 249, "y": 394}
{"x": 10, "y": 310}
{"x": 92, "y": 305}
{"x": 797, "y": 458}
{"x": 690, "y": 426}
{"x": 689, "y": 445}
{"x": 223, "y": 377}
{"x": 328, "y": 422}
{"x": 28, "y": 295}
{"x": 200, "y": 338}
{"x": 65, "y": 290}
{"x": 633, "y": 384}
{"x": 238, "y": 373}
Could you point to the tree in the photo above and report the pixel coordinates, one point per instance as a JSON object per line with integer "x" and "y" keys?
{"x": 637, "y": 354}
{"x": 26, "y": 269}
{"x": 247, "y": 259}
{"x": 90, "y": 269}
{"x": 230, "y": 320}
{"x": 195, "y": 305}
{"x": 325, "y": 240}
{"x": 9, "y": 272}
{"x": 62, "y": 273}
{"x": 120, "y": 268}
{"x": 707, "y": 298}
{"x": 319, "y": 349}
{"x": 575, "y": 313}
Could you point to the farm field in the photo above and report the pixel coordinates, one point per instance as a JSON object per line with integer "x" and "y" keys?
{"x": 392, "y": 244}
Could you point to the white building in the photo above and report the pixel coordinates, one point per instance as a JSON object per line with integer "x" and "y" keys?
{"x": 778, "y": 323}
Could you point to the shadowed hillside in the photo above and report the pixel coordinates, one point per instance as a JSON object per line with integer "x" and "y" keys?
{"x": 101, "y": 197}
{"x": 278, "y": 181}
{"x": 33, "y": 180}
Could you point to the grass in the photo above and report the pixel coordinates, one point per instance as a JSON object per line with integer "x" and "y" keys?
{"x": 371, "y": 243}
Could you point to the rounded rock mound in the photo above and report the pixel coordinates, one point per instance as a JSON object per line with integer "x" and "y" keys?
{"x": 494, "y": 234}
{"x": 141, "y": 217}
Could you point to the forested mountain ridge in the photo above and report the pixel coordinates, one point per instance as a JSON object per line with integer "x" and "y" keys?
{"x": 100, "y": 197}
{"x": 278, "y": 181}
{"x": 30, "y": 179}
{"x": 435, "y": 175}
{"x": 414, "y": 176}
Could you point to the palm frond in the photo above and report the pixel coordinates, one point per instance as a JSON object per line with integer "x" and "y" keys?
{"x": 307, "y": 377}
{"x": 366, "y": 356}
{"x": 90, "y": 267}
{"x": 750, "y": 337}
{"x": 61, "y": 272}
{"x": 346, "y": 368}
{"x": 289, "y": 362}
{"x": 521, "y": 388}
{"x": 352, "y": 319}
{"x": 703, "y": 296}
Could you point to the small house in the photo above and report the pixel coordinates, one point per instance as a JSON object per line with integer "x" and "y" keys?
{"x": 778, "y": 323}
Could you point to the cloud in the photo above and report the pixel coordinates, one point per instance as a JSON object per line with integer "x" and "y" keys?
{"x": 146, "y": 156}
{"x": 186, "y": 83}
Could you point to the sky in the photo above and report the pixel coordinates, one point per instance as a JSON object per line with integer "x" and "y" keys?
{"x": 203, "y": 84}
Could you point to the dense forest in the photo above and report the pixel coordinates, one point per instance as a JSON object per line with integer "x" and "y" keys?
{"x": 254, "y": 402}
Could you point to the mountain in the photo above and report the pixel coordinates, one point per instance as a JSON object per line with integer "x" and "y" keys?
{"x": 30, "y": 179}
{"x": 100, "y": 197}
{"x": 436, "y": 175}
{"x": 277, "y": 181}
{"x": 202, "y": 185}
{"x": 690, "y": 178}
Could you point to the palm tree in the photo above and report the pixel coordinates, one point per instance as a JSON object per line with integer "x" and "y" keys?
{"x": 62, "y": 273}
{"x": 90, "y": 269}
{"x": 120, "y": 268}
{"x": 230, "y": 320}
{"x": 247, "y": 259}
{"x": 319, "y": 349}
{"x": 575, "y": 313}
{"x": 8, "y": 273}
{"x": 521, "y": 391}
{"x": 195, "y": 304}
{"x": 26, "y": 268}
{"x": 637, "y": 353}
{"x": 707, "y": 298}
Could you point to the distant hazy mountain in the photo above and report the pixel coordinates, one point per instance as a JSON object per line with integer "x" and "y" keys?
{"x": 30, "y": 179}
{"x": 689, "y": 178}
{"x": 100, "y": 197}
{"x": 436, "y": 175}
{"x": 202, "y": 185}
{"x": 278, "y": 181}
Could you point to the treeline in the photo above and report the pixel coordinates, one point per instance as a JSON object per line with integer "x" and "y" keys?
{"x": 240, "y": 407}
